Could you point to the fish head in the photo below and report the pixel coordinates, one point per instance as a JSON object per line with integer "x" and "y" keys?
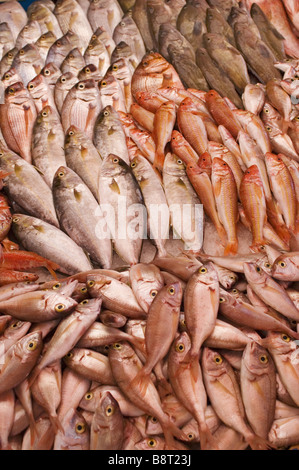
{"x": 151, "y": 443}
{"x": 273, "y": 131}
{"x": 114, "y": 166}
{"x": 215, "y": 149}
{"x": 252, "y": 176}
{"x": 256, "y": 359}
{"x": 29, "y": 347}
{"x": 95, "y": 283}
{"x": 171, "y": 294}
{"x": 90, "y": 399}
{"x": 153, "y": 62}
{"x": 15, "y": 327}
{"x": 16, "y": 92}
{"x": 228, "y": 278}
{"x": 10, "y": 77}
{"x": 274, "y": 164}
{"x": 284, "y": 268}
{"x": 279, "y": 342}
{"x": 173, "y": 165}
{"x": 9, "y": 57}
{"x": 65, "y": 178}
{"x": 220, "y": 168}
{"x": 75, "y": 431}
{"x": 86, "y": 90}
{"x": 46, "y": 39}
{"x": 121, "y": 351}
{"x": 180, "y": 347}
{"x": 107, "y": 409}
{"x": 213, "y": 363}
{"x": 59, "y": 303}
{"x": 254, "y": 274}
{"x": 264, "y": 263}
{"x": 89, "y": 306}
{"x": 109, "y": 85}
{"x": 66, "y": 80}
{"x": 28, "y": 54}
{"x": 107, "y": 117}
{"x": 226, "y": 299}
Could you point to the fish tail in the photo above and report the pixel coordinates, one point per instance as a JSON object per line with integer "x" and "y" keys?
{"x": 231, "y": 248}
{"x": 32, "y": 428}
{"x": 259, "y": 443}
{"x": 141, "y": 381}
{"x": 170, "y": 431}
{"x": 55, "y": 421}
{"x": 159, "y": 160}
{"x": 221, "y": 233}
{"x": 206, "y": 438}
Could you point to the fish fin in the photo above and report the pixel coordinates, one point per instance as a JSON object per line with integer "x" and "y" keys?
{"x": 35, "y": 372}
{"x": 51, "y": 271}
{"x": 221, "y": 233}
{"x": 56, "y": 424}
{"x": 159, "y": 161}
{"x": 170, "y": 430}
{"x": 141, "y": 381}
{"x": 231, "y": 248}
{"x": 206, "y": 438}
{"x": 259, "y": 443}
{"x": 32, "y": 428}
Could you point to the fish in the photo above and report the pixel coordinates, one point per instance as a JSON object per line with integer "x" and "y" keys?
{"x": 26, "y": 260}
{"x": 141, "y": 18}
{"x": 270, "y": 116}
{"x": 62, "y": 86}
{"x": 35, "y": 197}
{"x": 7, "y": 41}
{"x": 253, "y": 125}
{"x": 225, "y": 193}
{"x": 73, "y": 202}
{"x": 123, "y": 71}
{"x": 111, "y": 93}
{"x": 279, "y": 98}
{"x": 73, "y": 62}
{"x": 142, "y": 116}
{"x": 7, "y": 404}
{"x": 221, "y": 151}
{"x": 123, "y": 51}
{"x": 107, "y": 427}
{"x": 281, "y": 142}
{"x": 19, "y": 360}
{"x": 188, "y": 385}
{"x": 191, "y": 126}
{"x": 127, "y": 31}
{"x": 43, "y": 43}
{"x": 191, "y": 22}
{"x": 109, "y": 135}
{"x": 258, "y": 388}
{"x": 220, "y": 381}
{"x": 83, "y": 158}
{"x": 285, "y": 267}
{"x": 190, "y": 74}
{"x": 18, "y": 114}
{"x": 74, "y": 434}
{"x": 228, "y": 58}
{"x": 14, "y": 331}
{"x": 169, "y": 35}
{"x": 81, "y": 107}
{"x": 89, "y": 71}
{"x": 146, "y": 281}
{"x": 227, "y": 337}
{"x": 41, "y": 93}
{"x": 7, "y": 60}
{"x": 28, "y": 63}
{"x": 254, "y": 204}
{"x": 44, "y": 436}
{"x": 105, "y": 14}
{"x": 96, "y": 53}
{"x": 50, "y": 242}
{"x": 284, "y": 432}
{"x": 112, "y": 319}
{"x": 46, "y": 19}
{"x": 216, "y": 23}
{"x": 15, "y": 16}
{"x": 117, "y": 181}
{"x": 90, "y": 365}
{"x": 179, "y": 192}
{"x": 164, "y": 121}
{"x": 253, "y": 98}
{"x": 181, "y": 147}
{"x": 221, "y": 112}
{"x": 61, "y": 47}
{"x": 28, "y": 35}
{"x": 71, "y": 18}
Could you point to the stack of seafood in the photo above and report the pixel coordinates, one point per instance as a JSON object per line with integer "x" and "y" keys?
{"x": 120, "y": 330}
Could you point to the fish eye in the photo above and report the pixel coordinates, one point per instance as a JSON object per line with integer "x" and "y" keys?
{"x": 203, "y": 270}
{"x": 69, "y": 355}
{"x": 88, "y": 396}
{"x": 285, "y": 338}
{"x": 117, "y": 346}
{"x": 110, "y": 410}
{"x": 190, "y": 436}
{"x": 71, "y": 133}
{"x": 47, "y": 72}
{"x": 106, "y": 113}
{"x": 60, "y": 174}
{"x": 59, "y": 307}
{"x": 63, "y": 79}
{"x": 133, "y": 164}
{"x": 154, "y": 419}
{"x": 81, "y": 86}
{"x": 56, "y": 286}
{"x": 91, "y": 283}
{"x": 171, "y": 290}
{"x": 152, "y": 442}
{"x": 218, "y": 360}
{"x": 83, "y": 290}
{"x": 31, "y": 345}
{"x": 145, "y": 63}
{"x": 221, "y": 299}
{"x": 183, "y": 322}
{"x": 282, "y": 264}
{"x": 258, "y": 269}
{"x": 30, "y": 86}
{"x": 269, "y": 129}
{"x": 58, "y": 44}
{"x": 267, "y": 265}
{"x": 84, "y": 302}
{"x": 21, "y": 52}
{"x": 15, "y": 324}
{"x": 153, "y": 293}
{"x": 71, "y": 56}
{"x": 263, "y": 359}
{"x": 6, "y": 76}
{"x": 106, "y": 347}
{"x": 115, "y": 160}
{"x": 93, "y": 37}
{"x": 122, "y": 23}
{"x": 87, "y": 70}
{"x": 296, "y": 118}
{"x": 180, "y": 347}
{"x": 262, "y": 247}
{"x": 179, "y": 162}
{"x": 44, "y": 114}
{"x": 235, "y": 291}
{"x": 80, "y": 428}
{"x": 11, "y": 91}
{"x": 115, "y": 67}
{"x": 103, "y": 83}
{"x": 16, "y": 219}
{"x": 266, "y": 110}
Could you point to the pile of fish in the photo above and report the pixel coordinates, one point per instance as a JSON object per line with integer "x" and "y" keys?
{"x": 112, "y": 111}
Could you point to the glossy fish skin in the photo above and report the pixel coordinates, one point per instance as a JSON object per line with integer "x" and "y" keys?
{"x": 191, "y": 22}
{"x": 104, "y": 14}
{"x": 272, "y": 293}
{"x": 190, "y": 74}
{"x": 96, "y": 53}
{"x": 7, "y": 60}
{"x": 50, "y": 242}
{"x": 146, "y": 281}
{"x": 35, "y": 197}
{"x": 60, "y": 48}
{"x": 62, "y": 86}
{"x": 254, "y": 203}
{"x": 71, "y": 18}
{"x": 108, "y": 134}
{"x": 221, "y": 112}
{"x": 19, "y": 360}
{"x": 28, "y": 35}
{"x": 279, "y": 98}
{"x": 169, "y": 35}
{"x": 258, "y": 388}
{"x": 179, "y": 191}
{"x": 17, "y": 115}
{"x": 47, "y": 144}
{"x": 7, "y": 41}
{"x": 226, "y": 337}
{"x": 83, "y": 158}
{"x": 73, "y": 202}
{"x": 216, "y": 77}
{"x": 74, "y": 434}
{"x": 253, "y": 98}
{"x": 14, "y": 331}
{"x": 229, "y": 59}
{"x": 182, "y": 267}
{"x": 225, "y": 192}
{"x": 202, "y": 289}
{"x": 285, "y": 267}
{"x": 191, "y": 126}
{"x": 41, "y": 93}
{"x": 81, "y": 107}
{"x": 28, "y": 63}
{"x": 253, "y": 125}
{"x": 164, "y": 121}
{"x": 107, "y": 427}
{"x": 116, "y": 181}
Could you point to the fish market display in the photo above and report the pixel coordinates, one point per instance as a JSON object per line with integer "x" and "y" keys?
{"x": 149, "y": 225}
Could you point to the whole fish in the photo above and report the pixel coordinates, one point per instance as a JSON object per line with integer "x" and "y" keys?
{"x": 50, "y": 242}
{"x": 164, "y": 121}
{"x": 217, "y": 24}
{"x": 81, "y": 107}
{"x": 17, "y": 115}
{"x": 222, "y": 387}
{"x": 35, "y": 197}
{"x": 125, "y": 365}
{"x": 83, "y": 158}
{"x": 107, "y": 427}
{"x": 90, "y": 364}
{"x": 19, "y": 360}
{"x": 252, "y": 197}
{"x": 101, "y": 335}
{"x": 47, "y": 144}
{"x": 228, "y": 58}
{"x": 188, "y": 385}
{"x": 72, "y": 198}
{"x": 202, "y": 289}
{"x": 258, "y": 388}
{"x": 222, "y": 113}
{"x": 71, "y": 17}
{"x": 116, "y": 182}
{"x": 270, "y": 291}
{"x": 140, "y": 16}
{"x": 62, "y": 86}
{"x": 191, "y": 126}
{"x": 155, "y": 201}
{"x": 126, "y": 30}
{"x": 216, "y": 77}
{"x": 74, "y": 434}
{"x": 183, "y": 203}
{"x": 103, "y": 286}
{"x": 109, "y": 135}
{"x": 225, "y": 193}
